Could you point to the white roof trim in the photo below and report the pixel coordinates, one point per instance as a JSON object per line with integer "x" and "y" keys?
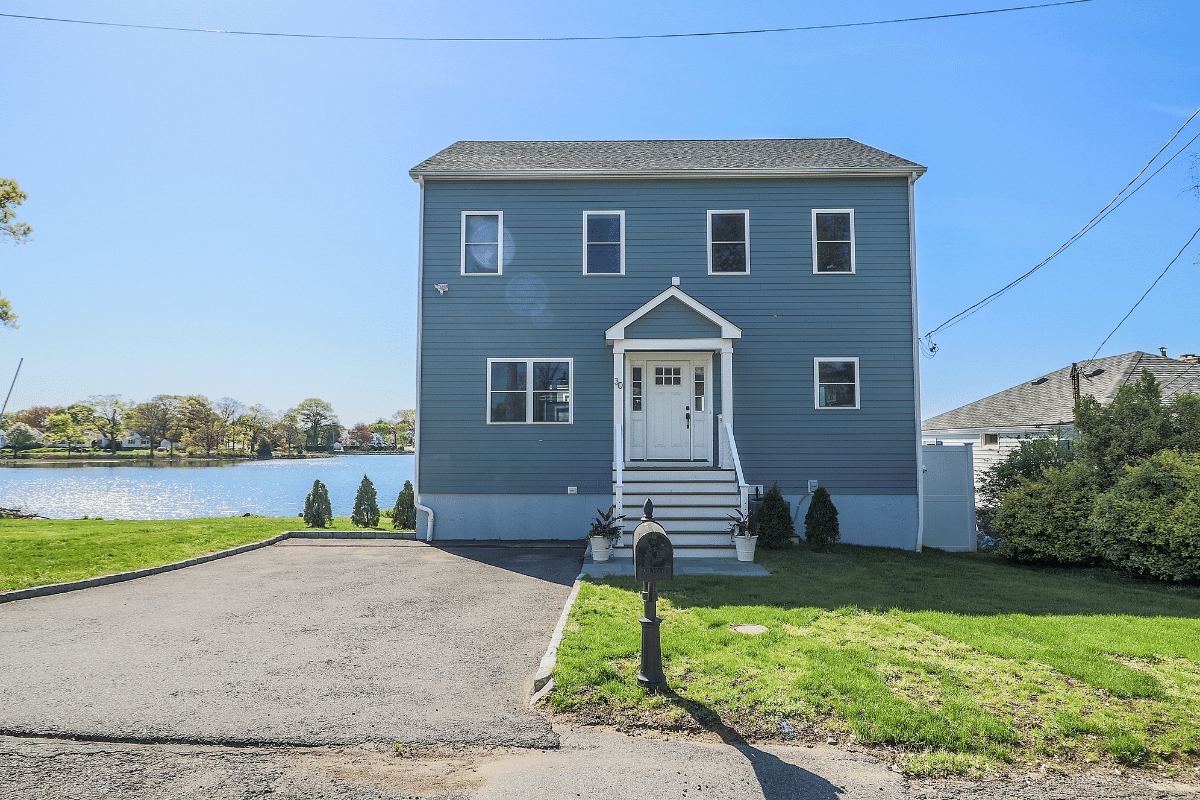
{"x": 728, "y": 329}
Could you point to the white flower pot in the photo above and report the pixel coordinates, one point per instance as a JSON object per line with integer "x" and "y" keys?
{"x": 599, "y": 548}
{"x": 745, "y": 547}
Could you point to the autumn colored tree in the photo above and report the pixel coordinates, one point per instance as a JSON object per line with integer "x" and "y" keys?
{"x": 37, "y": 417}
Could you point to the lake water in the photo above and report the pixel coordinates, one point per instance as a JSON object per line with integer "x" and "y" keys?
{"x": 275, "y": 488}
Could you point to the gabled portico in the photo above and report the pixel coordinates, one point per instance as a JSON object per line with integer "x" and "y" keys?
{"x": 672, "y": 407}
{"x": 664, "y": 377}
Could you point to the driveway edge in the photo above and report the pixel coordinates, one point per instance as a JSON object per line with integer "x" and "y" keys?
{"x": 118, "y": 577}
{"x": 542, "y": 682}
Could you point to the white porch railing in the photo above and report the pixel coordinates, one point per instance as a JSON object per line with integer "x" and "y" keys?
{"x": 618, "y": 471}
{"x": 730, "y": 460}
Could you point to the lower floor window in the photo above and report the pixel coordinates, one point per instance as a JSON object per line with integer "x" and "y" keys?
{"x": 836, "y": 382}
{"x": 529, "y": 390}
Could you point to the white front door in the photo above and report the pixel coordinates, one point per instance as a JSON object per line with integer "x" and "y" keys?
{"x": 668, "y": 410}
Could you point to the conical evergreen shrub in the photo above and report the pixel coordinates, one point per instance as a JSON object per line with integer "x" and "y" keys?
{"x": 775, "y": 526}
{"x": 366, "y": 509}
{"x": 318, "y": 512}
{"x": 404, "y": 515}
{"x": 821, "y": 522}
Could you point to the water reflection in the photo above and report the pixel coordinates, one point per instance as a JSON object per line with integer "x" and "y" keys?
{"x": 277, "y": 488}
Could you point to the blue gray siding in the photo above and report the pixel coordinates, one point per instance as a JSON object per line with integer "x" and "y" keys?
{"x": 544, "y": 307}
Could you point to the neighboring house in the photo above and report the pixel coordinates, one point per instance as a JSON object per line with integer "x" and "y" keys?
{"x": 3, "y": 439}
{"x": 995, "y": 425}
{"x": 376, "y": 440}
{"x": 602, "y": 322}
{"x": 132, "y": 440}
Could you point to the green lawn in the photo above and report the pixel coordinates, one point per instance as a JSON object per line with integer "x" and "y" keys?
{"x": 37, "y": 552}
{"x": 961, "y": 664}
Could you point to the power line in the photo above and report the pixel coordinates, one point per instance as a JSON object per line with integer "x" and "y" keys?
{"x": 1143, "y": 297}
{"x": 1112, "y": 205}
{"x": 550, "y": 38}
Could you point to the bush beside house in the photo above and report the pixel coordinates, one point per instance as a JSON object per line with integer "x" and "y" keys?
{"x": 774, "y": 521}
{"x": 1131, "y": 499}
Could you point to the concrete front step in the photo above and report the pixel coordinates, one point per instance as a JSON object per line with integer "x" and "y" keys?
{"x": 665, "y": 502}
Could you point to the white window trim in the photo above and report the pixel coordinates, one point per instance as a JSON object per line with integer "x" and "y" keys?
{"x": 817, "y": 383}
{"x": 462, "y": 243}
{"x": 853, "y": 259}
{"x": 620, "y": 214}
{"x": 487, "y": 400}
{"x": 746, "y": 213}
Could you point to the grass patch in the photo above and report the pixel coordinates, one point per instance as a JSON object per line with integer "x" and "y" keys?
{"x": 39, "y": 552}
{"x": 961, "y": 664}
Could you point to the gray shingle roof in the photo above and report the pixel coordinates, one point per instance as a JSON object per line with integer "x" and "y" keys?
{"x": 1051, "y": 401}
{"x": 662, "y": 156}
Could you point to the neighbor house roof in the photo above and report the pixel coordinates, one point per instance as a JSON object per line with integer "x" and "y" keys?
{"x": 661, "y": 157}
{"x": 1049, "y": 400}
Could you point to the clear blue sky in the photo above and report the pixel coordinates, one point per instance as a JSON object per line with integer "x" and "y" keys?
{"x": 232, "y": 215}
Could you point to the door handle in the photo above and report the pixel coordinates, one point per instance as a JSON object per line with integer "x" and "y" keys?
{"x": 688, "y": 416}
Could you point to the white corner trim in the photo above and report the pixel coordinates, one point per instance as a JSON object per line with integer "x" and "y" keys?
{"x": 728, "y": 329}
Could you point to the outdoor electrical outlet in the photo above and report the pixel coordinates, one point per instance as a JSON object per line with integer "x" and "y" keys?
{"x": 812, "y": 486}
{"x": 572, "y": 490}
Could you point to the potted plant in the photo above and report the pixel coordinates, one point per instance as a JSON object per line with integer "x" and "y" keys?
{"x": 743, "y": 539}
{"x": 606, "y": 529}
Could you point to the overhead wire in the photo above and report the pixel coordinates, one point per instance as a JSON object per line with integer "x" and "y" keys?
{"x": 1143, "y": 297}
{"x": 625, "y": 37}
{"x": 1112, "y": 205}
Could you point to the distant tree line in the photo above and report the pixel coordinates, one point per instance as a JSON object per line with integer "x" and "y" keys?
{"x": 198, "y": 425}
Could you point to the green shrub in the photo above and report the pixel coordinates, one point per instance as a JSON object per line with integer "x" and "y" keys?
{"x": 774, "y": 518}
{"x": 821, "y": 521}
{"x": 1046, "y": 521}
{"x": 318, "y": 512}
{"x": 366, "y": 508}
{"x": 404, "y": 515}
{"x": 1032, "y": 456}
{"x": 1149, "y": 523}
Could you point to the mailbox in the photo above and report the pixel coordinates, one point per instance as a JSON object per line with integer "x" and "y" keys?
{"x": 653, "y": 558}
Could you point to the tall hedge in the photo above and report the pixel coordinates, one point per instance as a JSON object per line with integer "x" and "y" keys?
{"x": 318, "y": 512}
{"x": 366, "y": 505}
{"x": 1149, "y": 523}
{"x": 1046, "y": 521}
{"x": 774, "y": 520}
{"x": 404, "y": 515}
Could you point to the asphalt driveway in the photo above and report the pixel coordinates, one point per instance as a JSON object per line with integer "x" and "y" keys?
{"x": 307, "y": 642}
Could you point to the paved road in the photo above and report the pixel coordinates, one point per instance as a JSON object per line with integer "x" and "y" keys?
{"x": 308, "y": 642}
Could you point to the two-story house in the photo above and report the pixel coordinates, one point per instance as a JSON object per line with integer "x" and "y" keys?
{"x": 602, "y": 322}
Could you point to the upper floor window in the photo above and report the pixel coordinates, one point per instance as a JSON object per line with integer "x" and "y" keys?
{"x": 833, "y": 240}
{"x": 728, "y": 241}
{"x": 482, "y": 243}
{"x": 604, "y": 243}
{"x": 529, "y": 390}
{"x": 836, "y": 382}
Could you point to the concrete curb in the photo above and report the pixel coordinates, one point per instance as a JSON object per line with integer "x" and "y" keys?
{"x": 542, "y": 682}
{"x": 104, "y": 580}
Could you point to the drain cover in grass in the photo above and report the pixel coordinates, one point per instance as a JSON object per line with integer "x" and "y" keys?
{"x": 752, "y": 630}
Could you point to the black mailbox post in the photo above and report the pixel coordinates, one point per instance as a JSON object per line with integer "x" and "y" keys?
{"x": 653, "y": 561}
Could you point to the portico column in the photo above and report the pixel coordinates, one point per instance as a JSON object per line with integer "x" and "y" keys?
{"x": 727, "y": 382}
{"x": 618, "y": 401}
